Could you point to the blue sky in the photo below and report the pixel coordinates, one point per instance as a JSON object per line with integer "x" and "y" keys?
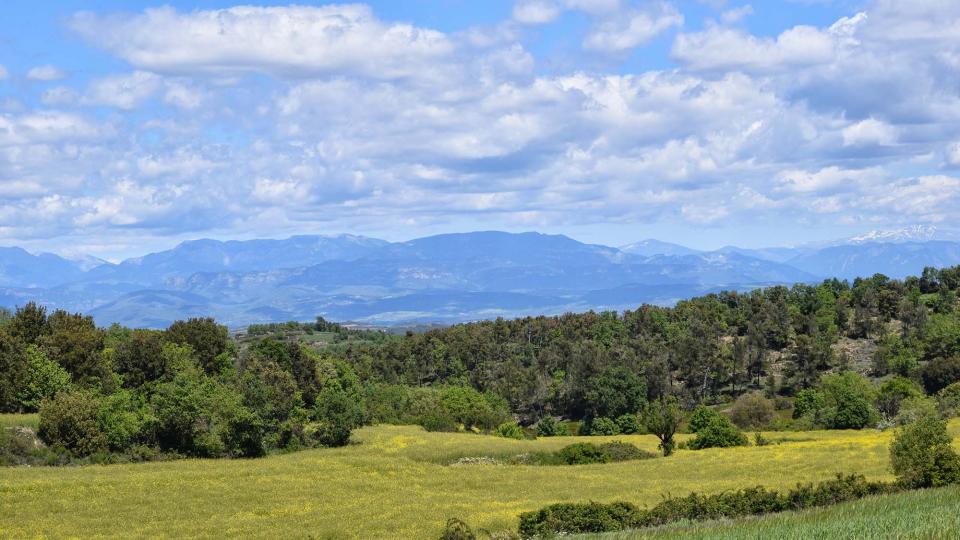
{"x": 130, "y": 126}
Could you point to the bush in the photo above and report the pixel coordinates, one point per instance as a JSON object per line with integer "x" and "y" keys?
{"x": 808, "y": 402}
{"x": 847, "y": 402}
{"x": 629, "y": 424}
{"x": 940, "y": 373}
{"x": 583, "y": 454}
{"x": 123, "y": 419}
{"x": 621, "y": 451}
{"x": 604, "y": 426}
{"x": 510, "y": 430}
{"x": 760, "y": 440}
{"x": 701, "y": 418}
{"x": 572, "y": 518}
{"x": 893, "y": 393}
{"x": 457, "y": 530}
{"x": 948, "y": 401}
{"x": 548, "y": 427}
{"x": 718, "y": 433}
{"x": 752, "y": 411}
{"x": 336, "y": 413}
{"x": 922, "y": 456}
{"x": 71, "y": 421}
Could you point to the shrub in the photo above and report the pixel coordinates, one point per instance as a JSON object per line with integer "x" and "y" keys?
{"x": 571, "y": 518}
{"x": 752, "y": 411}
{"x": 71, "y": 420}
{"x": 948, "y": 401}
{"x": 922, "y": 456}
{"x": 760, "y": 440}
{"x": 621, "y": 451}
{"x": 701, "y": 418}
{"x": 809, "y": 402}
{"x": 848, "y": 402}
{"x": 336, "y": 413}
{"x": 841, "y": 489}
{"x": 629, "y": 424}
{"x": 548, "y": 427}
{"x": 457, "y": 530}
{"x": 123, "y": 419}
{"x": 940, "y": 373}
{"x": 718, "y": 433}
{"x": 583, "y": 454}
{"x": 604, "y": 426}
{"x": 510, "y": 430}
{"x": 893, "y": 393}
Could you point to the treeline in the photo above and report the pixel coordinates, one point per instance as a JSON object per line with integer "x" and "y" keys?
{"x": 185, "y": 390}
{"x": 713, "y": 348}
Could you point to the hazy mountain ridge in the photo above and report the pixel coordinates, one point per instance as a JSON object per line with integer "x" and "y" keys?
{"x": 449, "y": 278}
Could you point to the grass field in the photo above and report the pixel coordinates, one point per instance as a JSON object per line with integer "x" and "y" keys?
{"x": 395, "y": 483}
{"x": 929, "y": 514}
{"x": 15, "y": 420}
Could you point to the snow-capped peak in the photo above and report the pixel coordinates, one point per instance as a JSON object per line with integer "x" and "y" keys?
{"x": 914, "y": 233}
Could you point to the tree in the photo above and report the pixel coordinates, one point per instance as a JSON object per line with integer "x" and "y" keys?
{"x": 719, "y": 432}
{"x": 662, "y": 418}
{"x": 922, "y": 456}
{"x": 74, "y": 341}
{"x": 208, "y": 339}
{"x": 848, "y": 401}
{"x": 139, "y": 358}
{"x": 893, "y": 393}
{"x": 71, "y": 421}
{"x": 614, "y": 392}
{"x": 14, "y": 370}
{"x": 752, "y": 411}
{"x": 44, "y": 379}
{"x": 28, "y": 323}
{"x": 940, "y": 373}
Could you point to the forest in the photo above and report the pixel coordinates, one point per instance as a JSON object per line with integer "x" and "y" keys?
{"x": 832, "y": 355}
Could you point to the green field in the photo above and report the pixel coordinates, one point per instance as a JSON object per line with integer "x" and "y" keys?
{"x": 396, "y": 482}
{"x": 15, "y": 420}
{"x": 928, "y": 514}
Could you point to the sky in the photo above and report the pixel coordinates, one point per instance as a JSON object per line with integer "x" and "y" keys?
{"x": 127, "y": 127}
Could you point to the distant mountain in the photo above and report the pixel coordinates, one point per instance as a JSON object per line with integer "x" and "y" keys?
{"x": 649, "y": 247}
{"x": 895, "y": 260}
{"x": 19, "y": 268}
{"x": 915, "y": 233}
{"x": 235, "y": 255}
{"x": 444, "y": 278}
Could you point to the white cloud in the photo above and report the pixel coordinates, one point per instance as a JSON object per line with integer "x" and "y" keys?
{"x": 869, "y": 132}
{"x": 735, "y": 15}
{"x": 953, "y": 154}
{"x": 720, "y": 49}
{"x": 535, "y": 11}
{"x": 632, "y": 29}
{"x": 293, "y": 41}
{"x": 45, "y": 73}
{"x": 122, "y": 91}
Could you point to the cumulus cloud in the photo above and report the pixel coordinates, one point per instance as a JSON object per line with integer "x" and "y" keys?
{"x": 535, "y": 11}
{"x": 122, "y": 91}
{"x": 720, "y": 48}
{"x": 295, "y": 41}
{"x": 869, "y": 131}
{"x": 632, "y": 29}
{"x": 45, "y": 73}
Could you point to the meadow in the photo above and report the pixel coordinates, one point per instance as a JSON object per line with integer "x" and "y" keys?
{"x": 397, "y": 482}
{"x": 928, "y": 514}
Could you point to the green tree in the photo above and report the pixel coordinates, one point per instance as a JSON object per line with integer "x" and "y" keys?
{"x": 848, "y": 401}
{"x": 44, "y": 379}
{"x": 74, "y": 341}
{"x": 922, "y": 455}
{"x": 28, "y": 323}
{"x": 139, "y": 358}
{"x": 71, "y": 420}
{"x": 208, "y": 340}
{"x": 662, "y": 418}
{"x": 14, "y": 371}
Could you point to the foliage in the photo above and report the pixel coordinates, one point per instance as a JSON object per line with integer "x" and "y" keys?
{"x": 893, "y": 393}
{"x": 808, "y": 403}
{"x": 139, "y": 358}
{"x": 583, "y": 454}
{"x": 76, "y": 343}
{"x": 940, "y": 373}
{"x": 948, "y": 400}
{"x": 572, "y": 518}
{"x": 842, "y": 401}
{"x": 44, "y": 379}
{"x": 624, "y": 451}
{"x": 14, "y": 371}
{"x": 548, "y": 427}
{"x": 922, "y": 456}
{"x": 457, "y": 529}
{"x": 208, "y": 340}
{"x": 701, "y": 417}
{"x": 661, "y": 419}
{"x": 614, "y": 392}
{"x": 719, "y": 432}
{"x": 752, "y": 411}
{"x": 510, "y": 430}
{"x": 603, "y": 426}
{"x": 71, "y": 420}
{"x": 629, "y": 424}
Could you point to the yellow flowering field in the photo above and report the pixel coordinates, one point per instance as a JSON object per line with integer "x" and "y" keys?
{"x": 396, "y": 482}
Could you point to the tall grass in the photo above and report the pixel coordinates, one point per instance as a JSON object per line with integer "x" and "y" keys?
{"x": 19, "y": 420}
{"x": 928, "y": 514}
{"x": 394, "y": 483}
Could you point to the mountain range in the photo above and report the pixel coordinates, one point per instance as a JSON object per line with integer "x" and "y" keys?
{"x": 445, "y": 278}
